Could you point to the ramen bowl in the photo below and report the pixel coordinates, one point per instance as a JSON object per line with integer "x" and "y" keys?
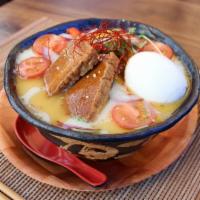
{"x": 101, "y": 146}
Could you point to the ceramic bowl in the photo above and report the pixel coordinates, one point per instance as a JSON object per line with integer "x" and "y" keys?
{"x": 101, "y": 146}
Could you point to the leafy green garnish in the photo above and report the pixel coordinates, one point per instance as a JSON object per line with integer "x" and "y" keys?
{"x": 131, "y": 30}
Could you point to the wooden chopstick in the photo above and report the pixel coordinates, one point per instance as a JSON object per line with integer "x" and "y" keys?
{"x": 8, "y": 194}
{"x": 4, "y": 197}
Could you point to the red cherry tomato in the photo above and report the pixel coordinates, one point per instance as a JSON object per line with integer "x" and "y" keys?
{"x": 33, "y": 67}
{"x": 73, "y": 31}
{"x": 164, "y": 48}
{"x": 54, "y": 42}
{"x": 132, "y": 115}
{"x": 125, "y": 115}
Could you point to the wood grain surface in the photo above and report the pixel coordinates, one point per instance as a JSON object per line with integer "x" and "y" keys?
{"x": 178, "y": 18}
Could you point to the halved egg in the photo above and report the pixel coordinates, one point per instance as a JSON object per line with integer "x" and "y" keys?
{"x": 155, "y": 78}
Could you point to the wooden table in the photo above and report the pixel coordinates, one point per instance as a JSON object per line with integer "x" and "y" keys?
{"x": 178, "y": 18}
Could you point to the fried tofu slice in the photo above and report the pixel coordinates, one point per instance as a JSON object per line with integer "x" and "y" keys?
{"x": 90, "y": 94}
{"x": 73, "y": 63}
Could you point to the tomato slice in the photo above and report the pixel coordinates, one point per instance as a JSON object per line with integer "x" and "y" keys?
{"x": 164, "y": 48}
{"x": 73, "y": 31}
{"x": 125, "y": 115}
{"x": 33, "y": 67}
{"x": 54, "y": 42}
{"x": 131, "y": 115}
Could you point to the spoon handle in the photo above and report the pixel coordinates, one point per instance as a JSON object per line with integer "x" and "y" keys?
{"x": 81, "y": 169}
{"x": 49, "y": 151}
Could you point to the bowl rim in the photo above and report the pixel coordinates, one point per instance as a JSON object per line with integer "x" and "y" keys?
{"x": 93, "y": 137}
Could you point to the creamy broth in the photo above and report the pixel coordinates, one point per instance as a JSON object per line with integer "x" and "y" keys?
{"x": 41, "y": 102}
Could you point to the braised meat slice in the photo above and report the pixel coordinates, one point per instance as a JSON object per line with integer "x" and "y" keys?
{"x": 73, "y": 63}
{"x": 88, "y": 96}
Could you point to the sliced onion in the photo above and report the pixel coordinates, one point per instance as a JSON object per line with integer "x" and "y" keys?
{"x": 50, "y": 55}
{"x": 75, "y": 127}
{"x": 118, "y": 93}
{"x": 92, "y": 30}
{"x": 67, "y": 36}
{"x": 151, "y": 111}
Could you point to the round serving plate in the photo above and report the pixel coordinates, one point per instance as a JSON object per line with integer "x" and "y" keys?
{"x": 154, "y": 157}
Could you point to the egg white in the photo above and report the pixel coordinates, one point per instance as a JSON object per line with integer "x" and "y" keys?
{"x": 155, "y": 78}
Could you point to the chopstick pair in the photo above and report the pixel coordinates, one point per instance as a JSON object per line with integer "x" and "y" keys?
{"x": 7, "y": 194}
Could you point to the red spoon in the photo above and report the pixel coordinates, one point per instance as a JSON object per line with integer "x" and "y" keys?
{"x": 34, "y": 141}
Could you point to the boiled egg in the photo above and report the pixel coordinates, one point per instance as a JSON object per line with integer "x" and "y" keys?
{"x": 155, "y": 78}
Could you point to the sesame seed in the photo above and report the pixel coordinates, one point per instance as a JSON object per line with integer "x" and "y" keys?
{"x": 99, "y": 72}
{"x": 94, "y": 75}
{"x": 87, "y": 76}
{"x": 57, "y": 68}
{"x": 86, "y": 97}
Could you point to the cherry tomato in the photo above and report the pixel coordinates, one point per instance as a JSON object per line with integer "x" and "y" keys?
{"x": 54, "y": 42}
{"x": 33, "y": 67}
{"x": 73, "y": 31}
{"x": 125, "y": 115}
{"x": 132, "y": 115}
{"x": 164, "y": 48}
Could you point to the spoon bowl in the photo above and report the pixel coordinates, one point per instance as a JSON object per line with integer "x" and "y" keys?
{"x": 35, "y": 142}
